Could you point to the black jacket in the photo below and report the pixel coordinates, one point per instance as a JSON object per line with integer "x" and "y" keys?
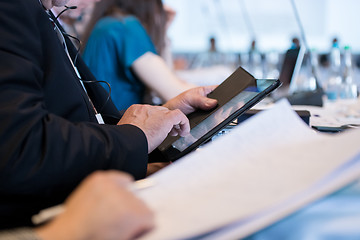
{"x": 49, "y": 137}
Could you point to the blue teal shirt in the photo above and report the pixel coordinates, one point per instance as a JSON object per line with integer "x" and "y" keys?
{"x": 113, "y": 46}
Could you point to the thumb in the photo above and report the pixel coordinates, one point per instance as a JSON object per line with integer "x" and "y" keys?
{"x": 205, "y": 103}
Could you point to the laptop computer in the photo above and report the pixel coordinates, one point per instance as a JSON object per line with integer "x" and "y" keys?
{"x": 289, "y": 71}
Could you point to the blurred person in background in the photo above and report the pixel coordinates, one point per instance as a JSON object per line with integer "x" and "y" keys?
{"x": 124, "y": 43}
{"x": 295, "y": 43}
{"x": 74, "y": 21}
{"x": 212, "y": 57}
{"x": 255, "y": 60}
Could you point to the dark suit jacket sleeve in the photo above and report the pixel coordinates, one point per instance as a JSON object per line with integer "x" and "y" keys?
{"x": 47, "y": 142}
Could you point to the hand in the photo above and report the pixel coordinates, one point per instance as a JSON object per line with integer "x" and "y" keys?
{"x": 156, "y": 122}
{"x": 102, "y": 207}
{"x": 192, "y": 99}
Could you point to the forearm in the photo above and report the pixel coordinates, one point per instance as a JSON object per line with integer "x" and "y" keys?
{"x": 155, "y": 74}
{"x": 59, "y": 148}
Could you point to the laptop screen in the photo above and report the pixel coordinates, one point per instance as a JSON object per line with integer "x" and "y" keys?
{"x": 290, "y": 71}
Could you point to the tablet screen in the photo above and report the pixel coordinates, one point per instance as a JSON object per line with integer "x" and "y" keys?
{"x": 221, "y": 114}
{"x": 238, "y": 93}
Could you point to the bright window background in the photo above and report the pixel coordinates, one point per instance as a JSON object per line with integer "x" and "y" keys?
{"x": 273, "y": 23}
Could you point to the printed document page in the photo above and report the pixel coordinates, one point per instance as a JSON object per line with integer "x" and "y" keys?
{"x": 262, "y": 163}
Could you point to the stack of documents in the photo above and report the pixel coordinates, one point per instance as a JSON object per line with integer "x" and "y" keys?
{"x": 263, "y": 170}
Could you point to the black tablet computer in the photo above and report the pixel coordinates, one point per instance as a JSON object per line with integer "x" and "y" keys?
{"x": 235, "y": 95}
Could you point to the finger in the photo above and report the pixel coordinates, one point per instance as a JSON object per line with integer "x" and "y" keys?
{"x": 184, "y": 128}
{"x": 198, "y": 99}
{"x": 175, "y": 130}
{"x": 173, "y": 133}
{"x": 180, "y": 122}
{"x": 203, "y": 102}
{"x": 180, "y": 130}
{"x": 208, "y": 89}
{"x": 208, "y": 102}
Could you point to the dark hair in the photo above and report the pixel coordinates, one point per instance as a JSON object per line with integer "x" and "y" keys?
{"x": 150, "y": 13}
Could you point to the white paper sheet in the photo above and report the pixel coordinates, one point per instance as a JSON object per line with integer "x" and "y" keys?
{"x": 262, "y": 163}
